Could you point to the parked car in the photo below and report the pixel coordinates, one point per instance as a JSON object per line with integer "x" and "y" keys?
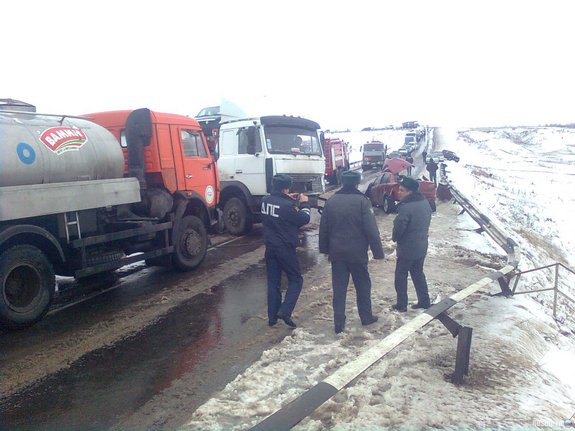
{"x": 450, "y": 155}
{"x": 383, "y": 191}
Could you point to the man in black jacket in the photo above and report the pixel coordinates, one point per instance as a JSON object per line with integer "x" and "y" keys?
{"x": 346, "y": 231}
{"x": 432, "y": 169}
{"x": 411, "y": 231}
{"x": 282, "y": 219}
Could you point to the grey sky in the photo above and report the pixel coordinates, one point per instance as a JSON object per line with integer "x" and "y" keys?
{"x": 343, "y": 64}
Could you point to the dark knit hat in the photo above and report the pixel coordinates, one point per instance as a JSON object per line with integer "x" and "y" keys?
{"x": 281, "y": 182}
{"x": 350, "y": 178}
{"x": 410, "y": 184}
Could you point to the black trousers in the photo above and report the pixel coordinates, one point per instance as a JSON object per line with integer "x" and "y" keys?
{"x": 415, "y": 268}
{"x": 278, "y": 260}
{"x": 340, "y": 272}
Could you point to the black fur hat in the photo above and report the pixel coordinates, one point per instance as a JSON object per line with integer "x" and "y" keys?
{"x": 281, "y": 182}
{"x": 410, "y": 184}
{"x": 350, "y": 178}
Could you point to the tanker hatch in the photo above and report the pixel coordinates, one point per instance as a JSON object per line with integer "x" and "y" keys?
{"x": 16, "y": 105}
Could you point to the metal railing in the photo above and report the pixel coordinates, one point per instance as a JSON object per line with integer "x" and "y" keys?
{"x": 555, "y": 288}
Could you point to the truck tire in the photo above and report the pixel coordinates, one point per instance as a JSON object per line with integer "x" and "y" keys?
{"x": 388, "y": 204}
{"x": 191, "y": 244}
{"x": 27, "y": 284}
{"x": 237, "y": 217}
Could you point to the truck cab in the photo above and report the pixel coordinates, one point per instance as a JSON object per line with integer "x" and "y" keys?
{"x": 336, "y": 159}
{"x": 251, "y": 151}
{"x": 176, "y": 161}
{"x": 374, "y": 154}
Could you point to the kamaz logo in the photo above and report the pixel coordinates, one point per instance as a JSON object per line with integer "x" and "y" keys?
{"x": 270, "y": 209}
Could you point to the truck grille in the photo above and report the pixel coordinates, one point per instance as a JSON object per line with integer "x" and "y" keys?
{"x": 307, "y": 183}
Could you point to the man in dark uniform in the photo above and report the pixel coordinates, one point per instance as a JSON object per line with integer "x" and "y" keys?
{"x": 346, "y": 231}
{"x": 409, "y": 159}
{"x": 282, "y": 219}
{"x": 411, "y": 231}
{"x": 432, "y": 169}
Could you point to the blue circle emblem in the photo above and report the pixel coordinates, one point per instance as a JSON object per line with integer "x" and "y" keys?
{"x": 26, "y": 153}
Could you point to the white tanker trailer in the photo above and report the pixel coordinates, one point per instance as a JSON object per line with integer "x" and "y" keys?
{"x": 66, "y": 209}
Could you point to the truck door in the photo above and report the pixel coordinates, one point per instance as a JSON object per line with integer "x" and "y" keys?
{"x": 199, "y": 168}
{"x": 250, "y": 161}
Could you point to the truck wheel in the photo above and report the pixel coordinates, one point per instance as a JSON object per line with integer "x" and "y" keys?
{"x": 28, "y": 282}
{"x": 191, "y": 245}
{"x": 388, "y": 204}
{"x": 237, "y": 217}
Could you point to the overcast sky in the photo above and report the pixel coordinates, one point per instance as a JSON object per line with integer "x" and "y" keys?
{"x": 341, "y": 63}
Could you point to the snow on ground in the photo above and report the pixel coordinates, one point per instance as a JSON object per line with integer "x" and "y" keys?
{"x": 524, "y": 177}
{"x": 521, "y": 371}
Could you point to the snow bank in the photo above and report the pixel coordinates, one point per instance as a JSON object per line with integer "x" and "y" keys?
{"x": 524, "y": 178}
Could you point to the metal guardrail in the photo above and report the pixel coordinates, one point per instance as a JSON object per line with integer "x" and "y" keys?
{"x": 555, "y": 288}
{"x": 512, "y": 250}
{"x": 488, "y": 226}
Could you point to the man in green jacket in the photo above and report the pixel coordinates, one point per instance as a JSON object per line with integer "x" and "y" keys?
{"x": 411, "y": 231}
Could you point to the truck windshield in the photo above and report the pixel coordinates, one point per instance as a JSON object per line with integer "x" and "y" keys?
{"x": 292, "y": 140}
{"x": 208, "y": 112}
{"x": 373, "y": 147}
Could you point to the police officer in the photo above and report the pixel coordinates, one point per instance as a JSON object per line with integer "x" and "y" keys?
{"x": 346, "y": 231}
{"x": 282, "y": 218}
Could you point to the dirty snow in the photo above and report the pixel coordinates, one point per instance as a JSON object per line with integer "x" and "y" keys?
{"x": 521, "y": 372}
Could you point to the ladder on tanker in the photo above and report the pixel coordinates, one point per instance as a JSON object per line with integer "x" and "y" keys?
{"x": 74, "y": 220}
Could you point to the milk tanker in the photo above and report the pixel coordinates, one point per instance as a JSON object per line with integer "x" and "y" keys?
{"x": 72, "y": 203}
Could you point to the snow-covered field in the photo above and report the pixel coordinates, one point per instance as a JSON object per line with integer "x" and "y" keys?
{"x": 522, "y": 372}
{"x": 525, "y": 178}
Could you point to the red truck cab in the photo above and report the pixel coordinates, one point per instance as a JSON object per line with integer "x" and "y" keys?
{"x": 336, "y": 153}
{"x": 176, "y": 158}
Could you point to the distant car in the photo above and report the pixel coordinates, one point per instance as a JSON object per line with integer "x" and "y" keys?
{"x": 450, "y": 155}
{"x": 437, "y": 157}
{"x": 383, "y": 191}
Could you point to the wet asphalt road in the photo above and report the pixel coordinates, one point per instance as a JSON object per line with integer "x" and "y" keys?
{"x": 110, "y": 382}
{"x": 194, "y": 349}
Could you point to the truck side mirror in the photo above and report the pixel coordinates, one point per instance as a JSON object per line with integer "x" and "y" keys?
{"x": 251, "y": 149}
{"x": 322, "y": 138}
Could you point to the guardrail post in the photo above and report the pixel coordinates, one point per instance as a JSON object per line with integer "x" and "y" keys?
{"x": 463, "y": 334}
{"x": 504, "y": 285}
{"x": 555, "y": 288}
{"x": 462, "y": 356}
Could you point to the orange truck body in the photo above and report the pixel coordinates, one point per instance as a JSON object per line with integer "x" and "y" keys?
{"x": 178, "y": 157}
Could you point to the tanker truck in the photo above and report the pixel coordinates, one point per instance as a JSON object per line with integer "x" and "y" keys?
{"x": 76, "y": 202}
